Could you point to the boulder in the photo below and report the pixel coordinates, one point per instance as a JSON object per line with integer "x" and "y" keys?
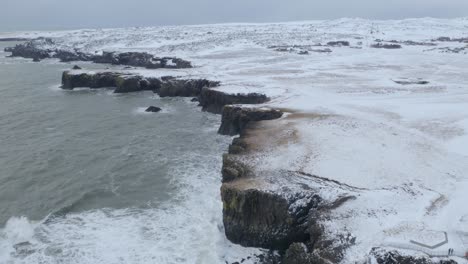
{"x": 153, "y": 109}
{"x": 76, "y": 67}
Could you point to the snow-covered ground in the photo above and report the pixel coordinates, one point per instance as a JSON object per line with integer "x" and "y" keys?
{"x": 405, "y": 146}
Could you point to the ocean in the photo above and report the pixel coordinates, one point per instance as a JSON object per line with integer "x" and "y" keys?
{"x": 88, "y": 177}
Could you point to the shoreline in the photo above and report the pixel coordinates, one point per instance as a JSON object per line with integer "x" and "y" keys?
{"x": 251, "y": 162}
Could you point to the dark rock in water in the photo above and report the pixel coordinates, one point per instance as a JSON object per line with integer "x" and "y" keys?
{"x": 13, "y": 39}
{"x": 214, "y": 100}
{"x": 195, "y": 99}
{"x": 153, "y": 109}
{"x": 76, "y": 67}
{"x": 235, "y": 119}
{"x": 386, "y": 46}
{"x": 127, "y": 84}
{"x": 303, "y": 52}
{"x": 340, "y": 43}
{"x": 36, "y": 59}
{"x": 8, "y": 49}
{"x": 99, "y": 80}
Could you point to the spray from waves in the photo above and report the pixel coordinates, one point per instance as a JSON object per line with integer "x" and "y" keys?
{"x": 187, "y": 229}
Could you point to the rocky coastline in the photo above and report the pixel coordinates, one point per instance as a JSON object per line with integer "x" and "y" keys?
{"x": 262, "y": 208}
{"x": 42, "y": 48}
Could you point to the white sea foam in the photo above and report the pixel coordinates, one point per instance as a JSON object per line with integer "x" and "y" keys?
{"x": 186, "y": 229}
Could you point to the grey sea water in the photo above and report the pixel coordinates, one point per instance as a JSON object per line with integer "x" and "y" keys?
{"x": 87, "y": 177}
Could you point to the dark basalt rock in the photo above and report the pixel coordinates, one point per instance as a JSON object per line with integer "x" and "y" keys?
{"x": 382, "y": 256}
{"x": 185, "y": 88}
{"x": 35, "y": 49}
{"x": 298, "y": 253}
{"x": 214, "y": 100}
{"x": 153, "y": 109}
{"x": 28, "y": 50}
{"x": 98, "y": 80}
{"x": 340, "y": 43}
{"x": 256, "y": 218}
{"x": 386, "y": 46}
{"x": 36, "y": 59}
{"x": 235, "y": 119}
{"x": 76, "y": 67}
{"x": 233, "y": 168}
{"x": 128, "y": 84}
{"x": 411, "y": 81}
{"x": 13, "y": 39}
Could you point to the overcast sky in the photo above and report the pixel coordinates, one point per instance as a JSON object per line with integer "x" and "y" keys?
{"x": 65, "y": 14}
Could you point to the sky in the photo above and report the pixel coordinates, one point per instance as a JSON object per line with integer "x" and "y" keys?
{"x": 74, "y": 14}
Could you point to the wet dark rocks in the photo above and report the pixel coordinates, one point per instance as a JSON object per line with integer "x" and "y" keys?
{"x": 448, "y": 39}
{"x": 13, "y": 39}
{"x": 257, "y": 218}
{"x": 76, "y": 67}
{"x": 172, "y": 87}
{"x": 407, "y": 42}
{"x": 326, "y": 50}
{"x": 91, "y": 80}
{"x": 153, "y": 109}
{"x": 214, "y": 101}
{"x": 39, "y": 48}
{"x": 303, "y": 52}
{"x": 235, "y": 118}
{"x": 340, "y": 43}
{"x": 386, "y": 46}
{"x": 411, "y": 81}
{"x": 383, "y": 256}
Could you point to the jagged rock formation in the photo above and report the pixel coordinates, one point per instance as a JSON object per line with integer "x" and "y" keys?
{"x": 214, "y": 100}
{"x": 235, "y": 119}
{"x": 38, "y": 49}
{"x": 210, "y": 100}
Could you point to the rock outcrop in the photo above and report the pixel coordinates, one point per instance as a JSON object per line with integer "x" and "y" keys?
{"x": 257, "y": 218}
{"x": 235, "y": 118}
{"x": 383, "y": 256}
{"x": 40, "y": 49}
{"x": 386, "y": 46}
{"x": 213, "y": 100}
